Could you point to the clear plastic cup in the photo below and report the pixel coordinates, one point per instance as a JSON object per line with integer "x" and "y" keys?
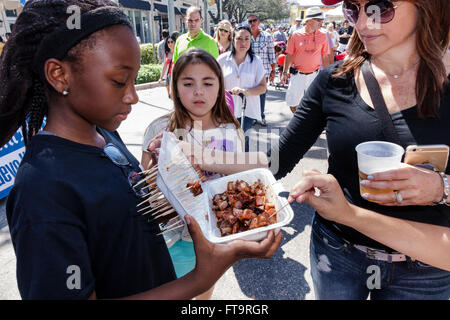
{"x": 377, "y": 156}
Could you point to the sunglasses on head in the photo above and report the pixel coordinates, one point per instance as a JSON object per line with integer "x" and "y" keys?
{"x": 382, "y": 11}
{"x": 243, "y": 26}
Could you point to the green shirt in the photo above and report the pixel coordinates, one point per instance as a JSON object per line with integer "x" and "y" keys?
{"x": 201, "y": 40}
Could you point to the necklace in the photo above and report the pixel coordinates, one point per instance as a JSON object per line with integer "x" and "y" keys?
{"x": 396, "y": 76}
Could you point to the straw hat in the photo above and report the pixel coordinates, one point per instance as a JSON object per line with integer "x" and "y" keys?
{"x": 313, "y": 13}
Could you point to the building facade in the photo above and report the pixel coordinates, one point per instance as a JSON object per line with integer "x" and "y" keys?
{"x": 140, "y": 14}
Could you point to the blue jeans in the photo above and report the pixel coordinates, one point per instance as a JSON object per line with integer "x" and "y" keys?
{"x": 340, "y": 271}
{"x": 248, "y": 123}
{"x": 262, "y": 101}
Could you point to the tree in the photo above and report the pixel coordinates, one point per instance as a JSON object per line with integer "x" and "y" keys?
{"x": 265, "y": 9}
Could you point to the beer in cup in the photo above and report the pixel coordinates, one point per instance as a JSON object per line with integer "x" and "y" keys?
{"x": 377, "y": 156}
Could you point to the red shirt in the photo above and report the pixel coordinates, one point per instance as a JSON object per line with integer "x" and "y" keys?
{"x": 307, "y": 49}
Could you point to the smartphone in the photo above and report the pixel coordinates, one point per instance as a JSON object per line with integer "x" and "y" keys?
{"x": 435, "y": 155}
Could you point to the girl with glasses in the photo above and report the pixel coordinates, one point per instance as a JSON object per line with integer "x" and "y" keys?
{"x": 166, "y": 72}
{"x": 72, "y": 211}
{"x": 401, "y": 44}
{"x": 223, "y": 36}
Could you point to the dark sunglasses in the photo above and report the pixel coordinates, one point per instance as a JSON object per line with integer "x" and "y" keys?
{"x": 119, "y": 159}
{"x": 384, "y": 8}
{"x": 251, "y": 21}
{"x": 170, "y": 41}
{"x": 115, "y": 155}
{"x": 224, "y": 30}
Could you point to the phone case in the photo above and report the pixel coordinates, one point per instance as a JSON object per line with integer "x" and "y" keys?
{"x": 434, "y": 155}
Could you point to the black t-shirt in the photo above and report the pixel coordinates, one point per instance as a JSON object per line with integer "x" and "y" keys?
{"x": 75, "y": 227}
{"x": 344, "y": 30}
{"x": 334, "y": 104}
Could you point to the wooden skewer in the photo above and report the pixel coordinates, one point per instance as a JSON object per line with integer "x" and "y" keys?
{"x": 177, "y": 217}
{"x": 162, "y": 215}
{"x": 149, "y": 177}
{"x": 161, "y": 205}
{"x": 173, "y": 225}
{"x": 150, "y": 199}
{"x": 279, "y": 210}
{"x": 161, "y": 233}
{"x": 157, "y": 210}
{"x": 151, "y": 170}
{"x": 153, "y": 210}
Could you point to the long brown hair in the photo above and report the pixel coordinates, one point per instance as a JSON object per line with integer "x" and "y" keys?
{"x": 432, "y": 41}
{"x": 180, "y": 118}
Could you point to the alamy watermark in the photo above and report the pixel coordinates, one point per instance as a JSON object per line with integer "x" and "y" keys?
{"x": 374, "y": 280}
{"x": 74, "y": 20}
{"x": 74, "y": 279}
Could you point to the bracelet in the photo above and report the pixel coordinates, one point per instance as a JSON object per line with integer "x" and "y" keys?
{"x": 446, "y": 189}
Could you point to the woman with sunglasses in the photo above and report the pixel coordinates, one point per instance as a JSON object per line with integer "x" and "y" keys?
{"x": 403, "y": 44}
{"x": 169, "y": 45}
{"x": 223, "y": 37}
{"x": 244, "y": 73}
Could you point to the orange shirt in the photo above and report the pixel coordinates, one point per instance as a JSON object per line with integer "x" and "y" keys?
{"x": 307, "y": 49}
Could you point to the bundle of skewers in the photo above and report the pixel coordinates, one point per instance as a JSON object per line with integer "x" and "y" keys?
{"x": 172, "y": 189}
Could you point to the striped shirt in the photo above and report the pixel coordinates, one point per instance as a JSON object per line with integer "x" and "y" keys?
{"x": 263, "y": 47}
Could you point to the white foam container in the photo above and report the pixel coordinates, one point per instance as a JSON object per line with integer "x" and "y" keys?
{"x": 216, "y": 186}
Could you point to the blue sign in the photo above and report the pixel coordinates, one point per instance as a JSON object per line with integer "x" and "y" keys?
{"x": 11, "y": 155}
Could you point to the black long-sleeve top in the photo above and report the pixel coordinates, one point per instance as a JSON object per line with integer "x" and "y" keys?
{"x": 334, "y": 104}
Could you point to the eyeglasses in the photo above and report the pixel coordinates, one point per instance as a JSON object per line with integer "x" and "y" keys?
{"x": 115, "y": 155}
{"x": 251, "y": 21}
{"x": 224, "y": 30}
{"x": 119, "y": 159}
{"x": 382, "y": 11}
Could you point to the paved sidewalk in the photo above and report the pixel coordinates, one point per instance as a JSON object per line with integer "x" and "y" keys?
{"x": 284, "y": 276}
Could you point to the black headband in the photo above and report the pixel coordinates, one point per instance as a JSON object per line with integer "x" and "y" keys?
{"x": 58, "y": 43}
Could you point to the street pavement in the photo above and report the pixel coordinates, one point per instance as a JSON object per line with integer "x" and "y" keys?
{"x": 286, "y": 276}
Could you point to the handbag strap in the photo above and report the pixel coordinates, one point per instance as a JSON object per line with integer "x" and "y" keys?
{"x": 378, "y": 102}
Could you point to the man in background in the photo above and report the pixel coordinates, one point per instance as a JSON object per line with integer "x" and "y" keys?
{"x": 195, "y": 37}
{"x": 262, "y": 46}
{"x": 306, "y": 51}
{"x": 161, "y": 44}
{"x": 295, "y": 27}
{"x": 345, "y": 33}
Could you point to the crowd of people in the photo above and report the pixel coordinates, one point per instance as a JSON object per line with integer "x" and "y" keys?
{"x": 271, "y": 45}
{"x": 82, "y": 83}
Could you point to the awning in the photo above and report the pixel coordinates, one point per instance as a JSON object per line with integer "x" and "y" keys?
{"x": 135, "y": 4}
{"x": 160, "y": 7}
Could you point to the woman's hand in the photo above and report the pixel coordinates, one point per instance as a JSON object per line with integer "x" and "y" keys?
{"x": 237, "y": 90}
{"x": 212, "y": 260}
{"x": 412, "y": 185}
{"x": 330, "y": 204}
